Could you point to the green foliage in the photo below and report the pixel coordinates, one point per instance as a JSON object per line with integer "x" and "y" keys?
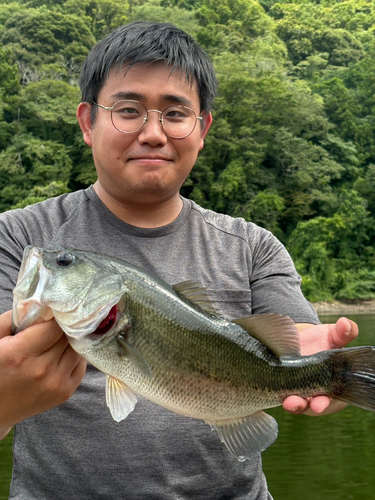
{"x": 29, "y": 165}
{"x": 46, "y": 108}
{"x": 309, "y": 28}
{"x": 39, "y": 36}
{"x": 265, "y": 209}
{"x": 292, "y": 145}
{"x": 334, "y": 254}
{"x": 154, "y": 10}
{"x": 101, "y": 16}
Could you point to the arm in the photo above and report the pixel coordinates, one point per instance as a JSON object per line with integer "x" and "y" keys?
{"x": 38, "y": 370}
{"x": 315, "y": 338}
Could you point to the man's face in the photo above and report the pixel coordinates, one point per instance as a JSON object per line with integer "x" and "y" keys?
{"x": 147, "y": 166}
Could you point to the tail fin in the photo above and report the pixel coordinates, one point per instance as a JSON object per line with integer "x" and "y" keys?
{"x": 354, "y": 382}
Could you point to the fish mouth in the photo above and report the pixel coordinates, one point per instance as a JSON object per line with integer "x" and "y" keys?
{"x": 107, "y": 323}
{"x": 116, "y": 322}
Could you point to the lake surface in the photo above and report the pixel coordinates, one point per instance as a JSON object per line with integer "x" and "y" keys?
{"x": 320, "y": 458}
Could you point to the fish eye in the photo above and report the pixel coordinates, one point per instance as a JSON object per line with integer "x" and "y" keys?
{"x": 64, "y": 259}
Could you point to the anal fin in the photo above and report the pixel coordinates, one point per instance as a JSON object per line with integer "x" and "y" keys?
{"x": 121, "y": 400}
{"x": 247, "y": 436}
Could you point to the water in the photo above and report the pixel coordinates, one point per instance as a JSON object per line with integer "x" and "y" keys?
{"x": 5, "y": 465}
{"x": 318, "y": 458}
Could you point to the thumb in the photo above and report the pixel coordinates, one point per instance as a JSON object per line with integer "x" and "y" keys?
{"x": 343, "y": 332}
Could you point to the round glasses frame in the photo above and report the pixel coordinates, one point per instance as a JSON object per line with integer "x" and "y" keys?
{"x": 146, "y": 117}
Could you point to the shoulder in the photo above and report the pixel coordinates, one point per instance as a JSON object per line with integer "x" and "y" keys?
{"x": 236, "y": 227}
{"x": 59, "y": 207}
{"x": 62, "y": 205}
{"x": 238, "y": 239}
{"x": 35, "y": 222}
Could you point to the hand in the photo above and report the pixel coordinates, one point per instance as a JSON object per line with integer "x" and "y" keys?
{"x": 320, "y": 338}
{"x": 38, "y": 370}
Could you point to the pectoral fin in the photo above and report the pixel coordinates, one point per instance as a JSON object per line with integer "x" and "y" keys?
{"x": 247, "y": 436}
{"x": 121, "y": 400}
{"x": 134, "y": 356}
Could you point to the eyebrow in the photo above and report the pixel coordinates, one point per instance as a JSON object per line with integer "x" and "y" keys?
{"x": 135, "y": 96}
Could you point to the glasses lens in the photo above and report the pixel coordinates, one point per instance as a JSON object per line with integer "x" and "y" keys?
{"x": 128, "y": 116}
{"x": 178, "y": 121}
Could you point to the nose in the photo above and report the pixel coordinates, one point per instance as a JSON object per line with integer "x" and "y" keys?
{"x": 152, "y": 132}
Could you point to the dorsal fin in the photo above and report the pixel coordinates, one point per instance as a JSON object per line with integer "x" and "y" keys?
{"x": 197, "y": 294}
{"x": 279, "y": 333}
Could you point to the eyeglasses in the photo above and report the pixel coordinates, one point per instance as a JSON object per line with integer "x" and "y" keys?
{"x": 129, "y": 117}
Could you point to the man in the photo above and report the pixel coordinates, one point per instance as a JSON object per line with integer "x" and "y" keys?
{"x": 147, "y": 91}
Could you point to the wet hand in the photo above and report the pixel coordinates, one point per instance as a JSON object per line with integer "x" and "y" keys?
{"x": 315, "y": 338}
{"x": 38, "y": 370}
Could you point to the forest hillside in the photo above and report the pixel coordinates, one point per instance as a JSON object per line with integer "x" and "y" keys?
{"x": 292, "y": 147}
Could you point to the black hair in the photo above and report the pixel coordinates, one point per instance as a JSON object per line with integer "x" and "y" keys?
{"x": 140, "y": 42}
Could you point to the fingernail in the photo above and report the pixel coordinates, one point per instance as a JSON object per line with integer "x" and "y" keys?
{"x": 296, "y": 409}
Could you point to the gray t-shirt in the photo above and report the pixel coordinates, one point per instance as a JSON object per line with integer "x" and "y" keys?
{"x": 77, "y": 450}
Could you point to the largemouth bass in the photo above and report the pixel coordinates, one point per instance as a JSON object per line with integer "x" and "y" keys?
{"x": 169, "y": 345}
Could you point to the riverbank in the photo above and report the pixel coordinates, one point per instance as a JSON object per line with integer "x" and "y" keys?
{"x": 360, "y": 307}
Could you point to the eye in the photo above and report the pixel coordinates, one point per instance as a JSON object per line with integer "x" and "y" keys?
{"x": 127, "y": 111}
{"x": 177, "y": 113}
{"x": 65, "y": 259}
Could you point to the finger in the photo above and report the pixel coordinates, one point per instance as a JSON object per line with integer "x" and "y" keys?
{"x": 72, "y": 368}
{"x": 344, "y": 331}
{"x": 295, "y": 404}
{"x": 5, "y": 324}
{"x": 79, "y": 372}
{"x": 316, "y": 408}
{"x": 319, "y": 404}
{"x": 69, "y": 360}
{"x": 59, "y": 349}
{"x": 37, "y": 339}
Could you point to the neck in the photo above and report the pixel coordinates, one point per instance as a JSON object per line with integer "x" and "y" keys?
{"x": 140, "y": 214}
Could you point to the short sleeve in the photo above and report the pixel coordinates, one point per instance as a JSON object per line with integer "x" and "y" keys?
{"x": 275, "y": 283}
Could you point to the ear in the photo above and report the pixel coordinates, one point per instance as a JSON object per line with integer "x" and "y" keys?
{"x": 84, "y": 119}
{"x": 207, "y": 122}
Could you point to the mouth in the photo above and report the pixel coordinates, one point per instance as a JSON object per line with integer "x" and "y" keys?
{"x": 151, "y": 162}
{"x": 152, "y": 158}
{"x": 107, "y": 323}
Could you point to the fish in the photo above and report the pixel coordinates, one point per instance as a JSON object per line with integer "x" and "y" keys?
{"x": 170, "y": 345}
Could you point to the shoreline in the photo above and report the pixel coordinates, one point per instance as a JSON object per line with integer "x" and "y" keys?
{"x": 344, "y": 308}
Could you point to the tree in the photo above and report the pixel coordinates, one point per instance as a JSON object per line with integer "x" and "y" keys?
{"x": 9, "y": 87}
{"x": 41, "y": 36}
{"x": 329, "y": 252}
{"x": 31, "y": 167}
